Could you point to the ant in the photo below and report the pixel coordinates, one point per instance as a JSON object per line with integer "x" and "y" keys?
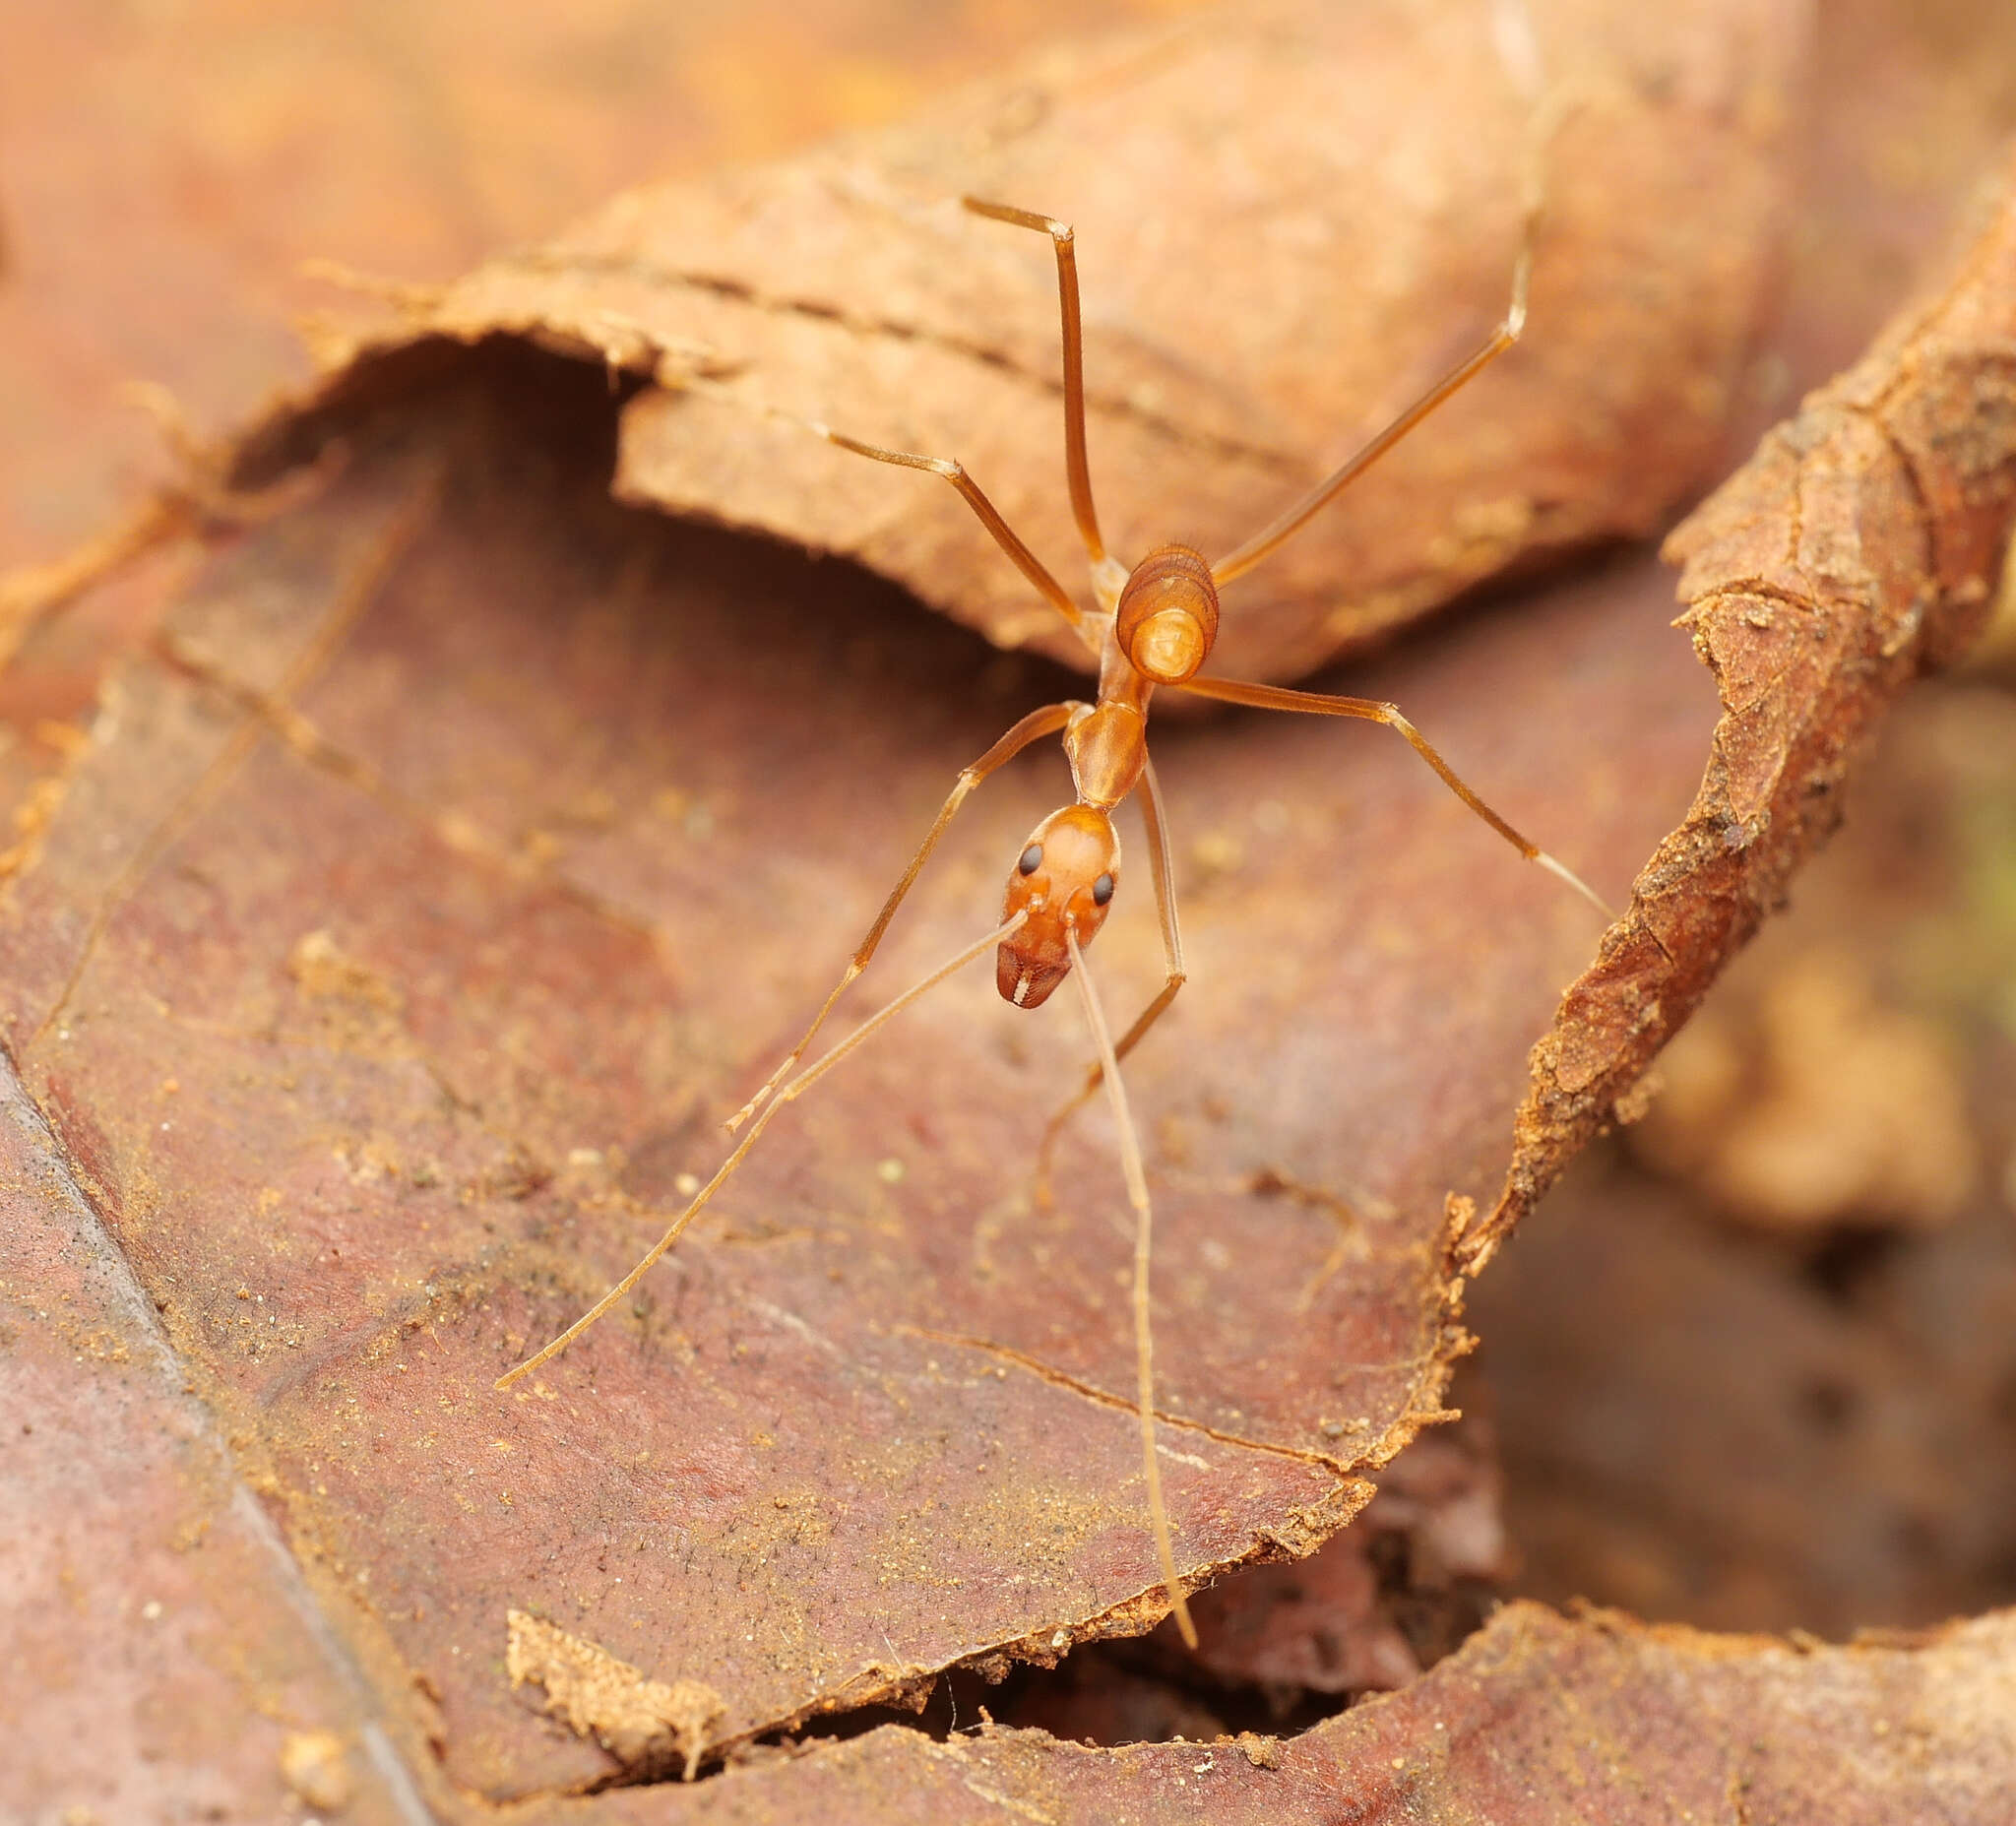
{"x": 1154, "y": 629}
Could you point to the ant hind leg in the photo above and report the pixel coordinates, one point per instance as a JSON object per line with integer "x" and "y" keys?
{"x": 1368, "y": 710}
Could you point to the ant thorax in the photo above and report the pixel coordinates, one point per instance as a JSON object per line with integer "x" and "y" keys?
{"x": 1106, "y": 744}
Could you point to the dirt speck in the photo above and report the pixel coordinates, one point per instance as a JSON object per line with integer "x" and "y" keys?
{"x": 639, "y": 1721}
{"x": 317, "y": 1766}
{"x": 1261, "y": 1752}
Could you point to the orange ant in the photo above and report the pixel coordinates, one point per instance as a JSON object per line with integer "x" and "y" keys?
{"x": 1154, "y": 628}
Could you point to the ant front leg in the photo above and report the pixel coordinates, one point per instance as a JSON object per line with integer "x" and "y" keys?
{"x": 1270, "y": 538}
{"x": 1033, "y": 727}
{"x": 1319, "y": 704}
{"x": 1160, "y": 866}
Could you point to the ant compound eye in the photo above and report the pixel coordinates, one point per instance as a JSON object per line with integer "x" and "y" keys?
{"x": 1032, "y": 860}
{"x": 1102, "y": 889}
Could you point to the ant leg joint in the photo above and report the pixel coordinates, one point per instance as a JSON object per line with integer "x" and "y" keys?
{"x": 1058, "y": 231}
{"x": 1515, "y": 312}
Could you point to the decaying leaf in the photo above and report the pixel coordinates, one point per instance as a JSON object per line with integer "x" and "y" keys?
{"x": 452, "y": 998}
{"x": 644, "y": 1724}
{"x": 1282, "y": 242}
{"x": 1825, "y": 1108}
{"x": 1840, "y": 1457}
{"x": 1858, "y": 549}
{"x": 1376, "y": 1602}
{"x": 1537, "y": 1717}
{"x": 150, "y": 1605}
{"x": 466, "y": 844}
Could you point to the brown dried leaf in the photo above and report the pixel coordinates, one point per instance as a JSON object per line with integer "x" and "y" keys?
{"x": 644, "y": 1724}
{"x": 1841, "y": 1456}
{"x": 451, "y": 998}
{"x": 1855, "y": 550}
{"x": 1818, "y": 1107}
{"x": 1537, "y": 1718}
{"x": 163, "y": 1651}
{"x": 1372, "y": 1605}
{"x": 169, "y": 174}
{"x": 468, "y": 843}
{"x": 170, "y": 177}
{"x": 1269, "y": 272}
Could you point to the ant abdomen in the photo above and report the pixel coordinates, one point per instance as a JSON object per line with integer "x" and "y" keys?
{"x": 1167, "y": 614}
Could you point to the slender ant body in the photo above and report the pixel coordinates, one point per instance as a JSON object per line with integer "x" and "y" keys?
{"x": 1153, "y": 628}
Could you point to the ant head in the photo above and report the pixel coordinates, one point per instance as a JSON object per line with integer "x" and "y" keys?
{"x": 1064, "y": 877}
{"x": 1167, "y": 614}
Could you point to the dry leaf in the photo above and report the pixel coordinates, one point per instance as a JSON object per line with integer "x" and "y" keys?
{"x": 1284, "y": 240}
{"x": 1537, "y": 1718}
{"x": 466, "y": 844}
{"x": 1855, "y": 550}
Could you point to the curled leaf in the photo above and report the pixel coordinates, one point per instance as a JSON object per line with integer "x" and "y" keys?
{"x": 1858, "y": 548}
{"x": 467, "y": 845}
{"x": 1289, "y": 221}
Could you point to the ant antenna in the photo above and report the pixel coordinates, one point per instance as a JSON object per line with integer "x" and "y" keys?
{"x": 1144, "y": 1221}
{"x": 802, "y": 1083}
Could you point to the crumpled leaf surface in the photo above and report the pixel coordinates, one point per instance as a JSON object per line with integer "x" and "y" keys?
{"x": 1284, "y": 238}
{"x": 164, "y": 176}
{"x": 1858, "y": 548}
{"x": 467, "y": 843}
{"x": 175, "y": 184}
{"x": 204, "y": 1659}
{"x": 1540, "y": 1717}
{"x": 451, "y": 999}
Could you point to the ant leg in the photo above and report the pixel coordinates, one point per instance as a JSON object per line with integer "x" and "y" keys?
{"x": 989, "y": 515}
{"x": 970, "y": 491}
{"x": 1318, "y": 704}
{"x": 1265, "y": 543}
{"x": 797, "y": 1087}
{"x": 1144, "y": 1343}
{"x": 1033, "y": 727}
{"x": 1076, "y": 472}
{"x": 1160, "y": 867}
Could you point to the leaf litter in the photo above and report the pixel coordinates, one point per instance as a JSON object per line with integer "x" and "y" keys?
{"x": 546, "y": 771}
